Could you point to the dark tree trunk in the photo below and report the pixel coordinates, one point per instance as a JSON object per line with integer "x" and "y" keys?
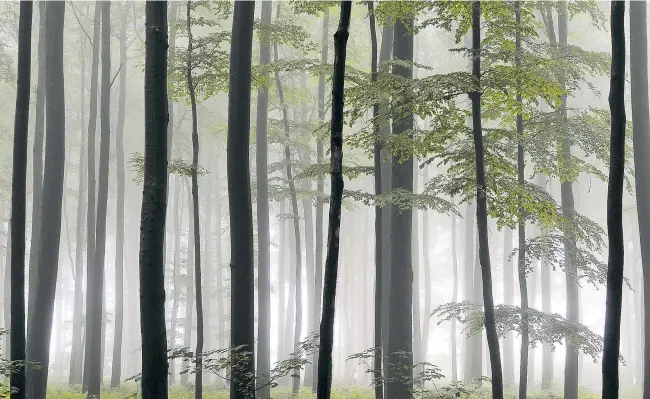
{"x": 454, "y": 299}
{"x": 154, "y": 207}
{"x": 196, "y": 225}
{"x": 295, "y": 218}
{"x": 91, "y": 217}
{"x": 76, "y": 353}
{"x": 324, "y": 387}
{"x": 400, "y": 334}
{"x": 378, "y": 383}
{"x": 96, "y": 273}
{"x": 40, "y": 325}
{"x": 612, "y": 336}
{"x": 641, "y": 136}
{"x": 18, "y": 200}
{"x": 263, "y": 231}
{"x": 481, "y": 210}
{"x": 37, "y": 158}
{"x": 116, "y": 370}
{"x": 242, "y": 300}
{"x": 508, "y": 299}
{"x": 521, "y": 257}
{"x": 320, "y": 188}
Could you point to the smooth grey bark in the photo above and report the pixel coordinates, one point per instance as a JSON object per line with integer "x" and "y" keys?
{"x": 641, "y": 137}
{"x": 545, "y": 282}
{"x": 508, "y": 299}
{"x": 377, "y": 361}
{"x": 400, "y": 320}
{"x": 481, "y": 210}
{"x": 176, "y": 298}
{"x": 154, "y": 207}
{"x": 17, "y": 379}
{"x": 76, "y": 353}
{"x": 37, "y": 157}
{"x": 428, "y": 294}
{"x": 242, "y": 301}
{"x": 189, "y": 291}
{"x": 90, "y": 159}
{"x": 282, "y": 261}
{"x": 263, "y": 229}
{"x": 324, "y": 386}
{"x": 469, "y": 357}
{"x": 615, "y": 262}
{"x": 96, "y": 273}
{"x": 40, "y": 321}
{"x": 116, "y": 369}
{"x": 415, "y": 294}
{"x": 320, "y": 188}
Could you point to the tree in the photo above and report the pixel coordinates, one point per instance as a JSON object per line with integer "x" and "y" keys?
{"x": 400, "y": 333}
{"x": 612, "y": 336}
{"x": 641, "y": 136}
{"x": 242, "y": 302}
{"x": 263, "y": 232}
{"x": 91, "y": 215}
{"x": 154, "y": 207}
{"x": 40, "y": 321}
{"x": 96, "y": 273}
{"x": 18, "y": 201}
{"x": 481, "y": 208}
{"x": 116, "y": 369}
{"x": 198, "y": 382}
{"x": 379, "y": 386}
{"x": 324, "y": 387}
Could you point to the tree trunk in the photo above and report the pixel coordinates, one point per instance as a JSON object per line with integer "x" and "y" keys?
{"x": 40, "y": 321}
{"x": 454, "y": 299}
{"x": 320, "y": 188}
{"x": 428, "y": 294}
{"x": 189, "y": 289}
{"x": 508, "y": 299}
{"x": 76, "y": 354}
{"x": 468, "y": 283}
{"x": 641, "y": 136}
{"x": 324, "y": 387}
{"x": 18, "y": 200}
{"x": 37, "y": 158}
{"x": 521, "y": 257}
{"x": 415, "y": 294}
{"x": 377, "y": 361}
{"x": 481, "y": 210}
{"x": 263, "y": 230}
{"x": 400, "y": 333}
{"x": 612, "y": 336}
{"x": 178, "y": 222}
{"x": 154, "y": 207}
{"x": 242, "y": 299}
{"x": 545, "y": 272}
{"x": 196, "y": 223}
{"x": 116, "y": 369}
{"x": 91, "y": 217}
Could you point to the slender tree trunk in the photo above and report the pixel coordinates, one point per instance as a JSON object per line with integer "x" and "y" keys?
{"x": 377, "y": 361}
{"x": 545, "y": 272}
{"x": 468, "y": 284}
{"x": 263, "y": 230}
{"x": 116, "y": 369}
{"x": 196, "y": 225}
{"x": 40, "y": 325}
{"x": 96, "y": 273}
{"x": 6, "y": 295}
{"x": 641, "y": 136}
{"x": 400, "y": 333}
{"x": 428, "y": 294}
{"x": 320, "y": 188}
{"x": 282, "y": 261}
{"x": 454, "y": 299}
{"x": 18, "y": 200}
{"x": 90, "y": 217}
{"x": 37, "y": 158}
{"x": 189, "y": 289}
{"x": 508, "y": 299}
{"x": 76, "y": 355}
{"x": 154, "y": 207}
{"x": 324, "y": 387}
{"x": 178, "y": 222}
{"x": 242, "y": 300}
{"x": 612, "y": 336}
{"x": 415, "y": 294}
{"x": 481, "y": 210}
{"x": 521, "y": 258}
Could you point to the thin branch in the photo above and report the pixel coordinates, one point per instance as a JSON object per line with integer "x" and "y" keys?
{"x": 116, "y": 73}
{"x": 79, "y": 22}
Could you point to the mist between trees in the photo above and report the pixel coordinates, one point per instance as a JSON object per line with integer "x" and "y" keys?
{"x": 389, "y": 199}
